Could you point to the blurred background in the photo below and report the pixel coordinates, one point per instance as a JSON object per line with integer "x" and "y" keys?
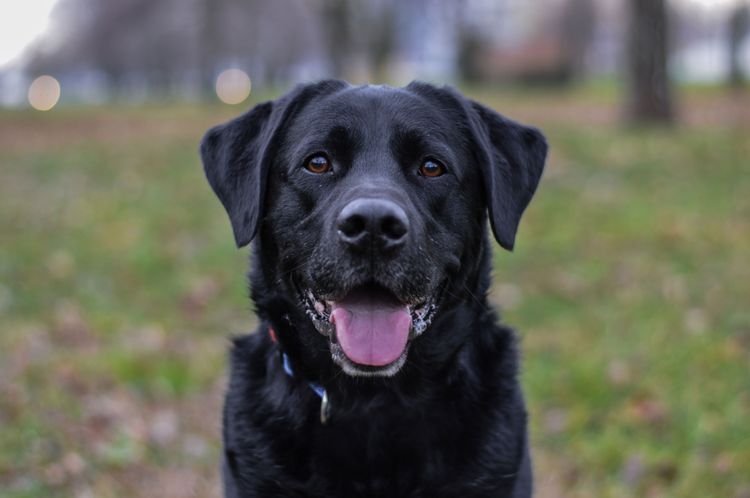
{"x": 120, "y": 283}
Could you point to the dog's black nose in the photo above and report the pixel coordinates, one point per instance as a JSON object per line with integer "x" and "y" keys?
{"x": 376, "y": 223}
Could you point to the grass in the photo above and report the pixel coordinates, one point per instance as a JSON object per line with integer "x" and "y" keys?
{"x": 630, "y": 284}
{"x": 635, "y": 283}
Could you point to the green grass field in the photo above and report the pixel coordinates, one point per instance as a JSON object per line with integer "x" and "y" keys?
{"x": 630, "y": 288}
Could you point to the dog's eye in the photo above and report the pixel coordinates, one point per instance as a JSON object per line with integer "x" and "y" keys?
{"x": 431, "y": 168}
{"x": 318, "y": 164}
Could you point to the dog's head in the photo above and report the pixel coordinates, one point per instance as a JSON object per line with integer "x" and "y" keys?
{"x": 370, "y": 205}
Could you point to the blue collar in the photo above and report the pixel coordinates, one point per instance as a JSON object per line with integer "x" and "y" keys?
{"x": 325, "y": 407}
{"x": 317, "y": 388}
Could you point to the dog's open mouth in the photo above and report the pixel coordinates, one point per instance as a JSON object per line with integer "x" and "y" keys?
{"x": 369, "y": 328}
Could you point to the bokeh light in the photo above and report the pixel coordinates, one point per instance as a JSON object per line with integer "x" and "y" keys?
{"x": 233, "y": 86}
{"x": 44, "y": 92}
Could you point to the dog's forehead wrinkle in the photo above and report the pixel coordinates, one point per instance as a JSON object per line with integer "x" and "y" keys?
{"x": 410, "y": 143}
{"x": 379, "y": 106}
{"x": 351, "y": 127}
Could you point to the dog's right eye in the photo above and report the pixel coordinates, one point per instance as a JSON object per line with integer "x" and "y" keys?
{"x": 318, "y": 164}
{"x": 431, "y": 168}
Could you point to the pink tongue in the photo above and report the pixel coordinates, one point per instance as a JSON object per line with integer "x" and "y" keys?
{"x": 371, "y": 331}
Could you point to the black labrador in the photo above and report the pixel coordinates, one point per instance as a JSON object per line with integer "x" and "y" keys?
{"x": 378, "y": 368}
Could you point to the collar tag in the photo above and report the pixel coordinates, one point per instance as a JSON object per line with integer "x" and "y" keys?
{"x": 325, "y": 408}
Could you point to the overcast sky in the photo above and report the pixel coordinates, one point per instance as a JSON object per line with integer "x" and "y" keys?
{"x": 20, "y": 23}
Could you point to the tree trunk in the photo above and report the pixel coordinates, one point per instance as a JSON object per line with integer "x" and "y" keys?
{"x": 577, "y": 32}
{"x": 649, "y": 90}
{"x": 337, "y": 33}
{"x": 209, "y": 42}
{"x": 739, "y": 23}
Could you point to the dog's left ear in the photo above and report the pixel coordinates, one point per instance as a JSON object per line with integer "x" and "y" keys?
{"x": 511, "y": 157}
{"x": 237, "y": 155}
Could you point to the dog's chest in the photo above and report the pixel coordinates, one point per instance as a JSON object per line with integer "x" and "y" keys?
{"x": 398, "y": 453}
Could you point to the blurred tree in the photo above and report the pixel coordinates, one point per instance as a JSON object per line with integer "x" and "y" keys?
{"x": 143, "y": 48}
{"x": 577, "y": 32}
{"x": 649, "y": 93}
{"x": 335, "y": 17}
{"x": 209, "y": 37}
{"x": 739, "y": 25}
{"x": 381, "y": 39}
{"x": 287, "y": 39}
{"x": 471, "y": 47}
{"x": 137, "y": 45}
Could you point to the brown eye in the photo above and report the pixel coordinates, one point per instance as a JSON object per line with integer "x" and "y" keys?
{"x": 318, "y": 164}
{"x": 431, "y": 168}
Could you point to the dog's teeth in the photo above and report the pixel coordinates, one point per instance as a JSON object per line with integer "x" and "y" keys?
{"x": 421, "y": 317}
{"x": 419, "y": 326}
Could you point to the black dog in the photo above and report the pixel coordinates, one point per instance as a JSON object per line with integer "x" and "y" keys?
{"x": 378, "y": 369}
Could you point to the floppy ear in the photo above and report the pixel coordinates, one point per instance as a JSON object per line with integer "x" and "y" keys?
{"x": 237, "y": 155}
{"x": 232, "y": 155}
{"x": 512, "y": 159}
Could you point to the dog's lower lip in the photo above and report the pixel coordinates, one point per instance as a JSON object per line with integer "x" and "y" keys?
{"x": 352, "y": 368}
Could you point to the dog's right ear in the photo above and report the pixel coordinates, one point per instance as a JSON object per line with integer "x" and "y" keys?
{"x": 232, "y": 155}
{"x": 237, "y": 155}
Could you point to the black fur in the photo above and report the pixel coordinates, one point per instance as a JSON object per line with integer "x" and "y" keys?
{"x": 451, "y": 422}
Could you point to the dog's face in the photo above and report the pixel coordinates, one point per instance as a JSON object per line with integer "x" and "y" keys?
{"x": 371, "y": 205}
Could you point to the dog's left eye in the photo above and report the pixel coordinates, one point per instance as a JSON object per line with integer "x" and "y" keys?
{"x": 318, "y": 164}
{"x": 431, "y": 168}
